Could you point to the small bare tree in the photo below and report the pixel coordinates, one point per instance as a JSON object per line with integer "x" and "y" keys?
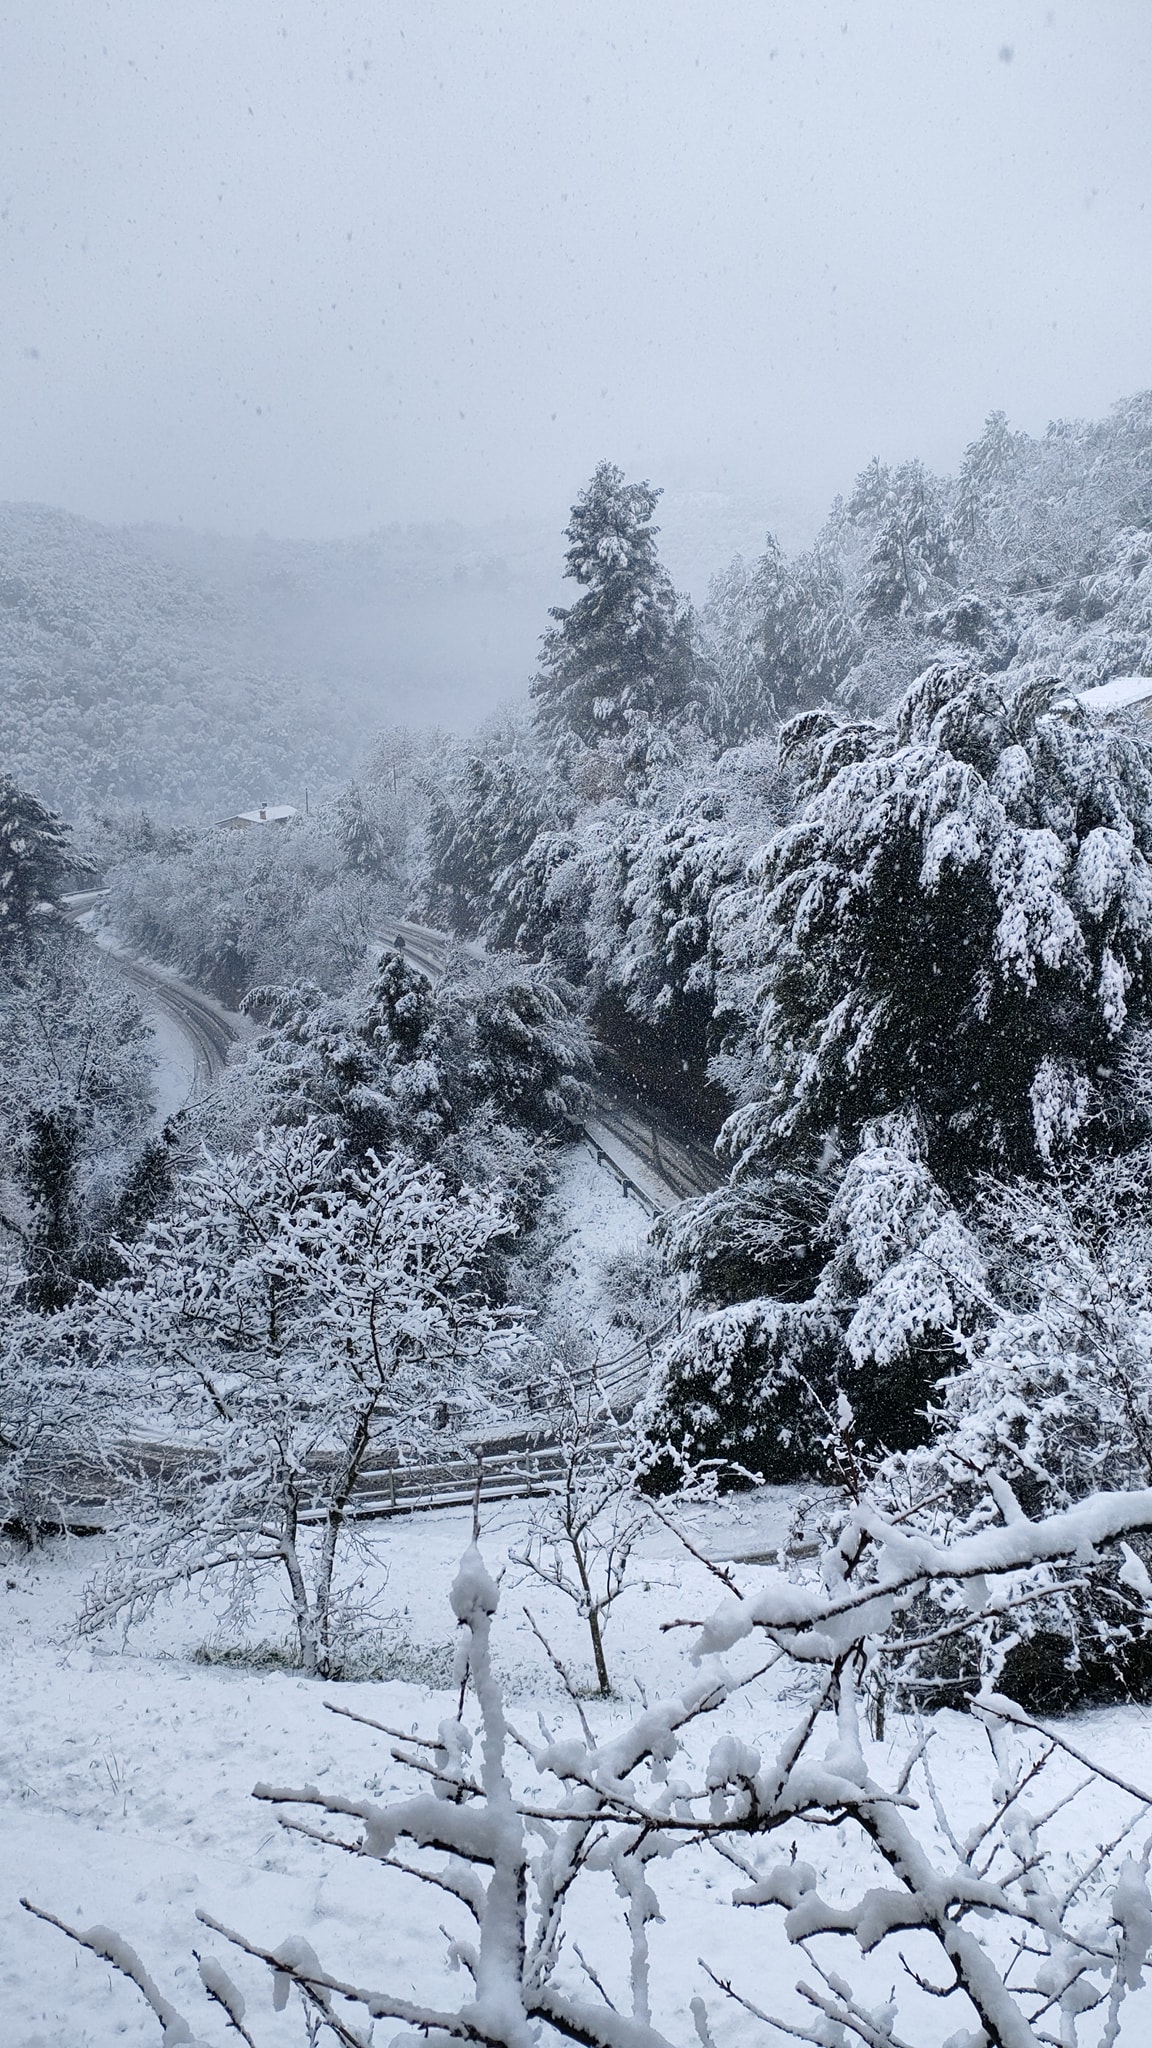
{"x": 581, "y": 1539}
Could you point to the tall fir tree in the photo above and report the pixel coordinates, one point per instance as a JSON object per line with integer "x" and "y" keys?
{"x": 622, "y": 654}
{"x": 34, "y": 861}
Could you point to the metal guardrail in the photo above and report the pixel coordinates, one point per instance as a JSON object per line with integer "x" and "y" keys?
{"x": 519, "y": 1461}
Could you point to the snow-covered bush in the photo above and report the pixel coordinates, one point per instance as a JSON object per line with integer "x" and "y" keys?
{"x": 494, "y": 1043}
{"x": 1055, "y": 1395}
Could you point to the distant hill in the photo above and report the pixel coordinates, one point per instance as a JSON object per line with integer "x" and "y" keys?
{"x": 192, "y": 674}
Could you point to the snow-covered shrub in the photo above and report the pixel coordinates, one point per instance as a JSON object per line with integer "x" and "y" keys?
{"x": 1054, "y": 1396}
{"x": 400, "y": 1061}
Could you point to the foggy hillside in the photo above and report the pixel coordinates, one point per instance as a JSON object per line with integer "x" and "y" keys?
{"x": 194, "y": 673}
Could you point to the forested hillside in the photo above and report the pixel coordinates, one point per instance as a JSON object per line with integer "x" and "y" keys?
{"x": 125, "y": 681}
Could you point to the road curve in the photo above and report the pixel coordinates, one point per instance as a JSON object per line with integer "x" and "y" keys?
{"x": 204, "y": 1024}
{"x": 209, "y": 1029}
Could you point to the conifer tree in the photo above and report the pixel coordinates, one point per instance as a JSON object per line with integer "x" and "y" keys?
{"x": 33, "y": 860}
{"x": 622, "y": 654}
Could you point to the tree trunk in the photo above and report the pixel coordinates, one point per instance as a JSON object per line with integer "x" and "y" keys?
{"x": 301, "y": 1609}
{"x": 598, "y": 1651}
{"x": 333, "y": 1523}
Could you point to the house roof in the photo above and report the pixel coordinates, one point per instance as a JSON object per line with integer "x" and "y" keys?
{"x": 1114, "y": 695}
{"x": 263, "y": 814}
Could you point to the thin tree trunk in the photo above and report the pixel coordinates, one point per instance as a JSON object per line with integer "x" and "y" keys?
{"x": 598, "y": 1651}
{"x": 334, "y": 1522}
{"x": 305, "y": 1620}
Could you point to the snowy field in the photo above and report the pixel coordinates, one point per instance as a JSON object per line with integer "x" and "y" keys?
{"x": 126, "y": 1772}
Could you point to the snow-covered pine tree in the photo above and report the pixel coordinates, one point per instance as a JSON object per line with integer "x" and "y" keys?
{"x": 776, "y": 637}
{"x": 74, "y": 1110}
{"x": 955, "y": 942}
{"x": 34, "y": 862}
{"x": 912, "y": 553}
{"x": 477, "y": 831}
{"x": 361, "y": 836}
{"x": 650, "y": 935}
{"x": 624, "y": 650}
{"x": 851, "y": 1291}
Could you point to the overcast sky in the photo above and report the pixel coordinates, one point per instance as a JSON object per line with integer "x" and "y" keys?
{"x": 314, "y": 267}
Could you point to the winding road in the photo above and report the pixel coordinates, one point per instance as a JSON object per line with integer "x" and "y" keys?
{"x": 210, "y": 1030}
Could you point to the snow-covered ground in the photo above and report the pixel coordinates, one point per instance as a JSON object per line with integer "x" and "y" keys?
{"x": 126, "y": 1773}
{"x": 174, "y": 1056}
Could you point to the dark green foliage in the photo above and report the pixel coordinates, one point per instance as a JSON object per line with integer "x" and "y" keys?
{"x": 623, "y": 652}
{"x": 654, "y": 948}
{"x": 34, "y": 863}
{"x": 147, "y": 1186}
{"x": 540, "y": 904}
{"x": 960, "y": 920}
{"x": 46, "y": 1172}
{"x": 853, "y": 1284}
{"x": 531, "y": 1062}
{"x": 415, "y": 1065}
{"x": 401, "y": 1009}
{"x": 760, "y": 1236}
{"x": 752, "y": 1393}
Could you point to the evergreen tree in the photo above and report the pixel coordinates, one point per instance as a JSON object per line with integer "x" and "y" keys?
{"x": 913, "y": 551}
{"x": 474, "y": 835}
{"x": 959, "y": 923}
{"x": 34, "y": 861}
{"x": 623, "y": 651}
{"x": 360, "y": 836}
{"x": 776, "y": 638}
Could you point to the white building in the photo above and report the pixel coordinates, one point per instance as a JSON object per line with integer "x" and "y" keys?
{"x": 268, "y": 814}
